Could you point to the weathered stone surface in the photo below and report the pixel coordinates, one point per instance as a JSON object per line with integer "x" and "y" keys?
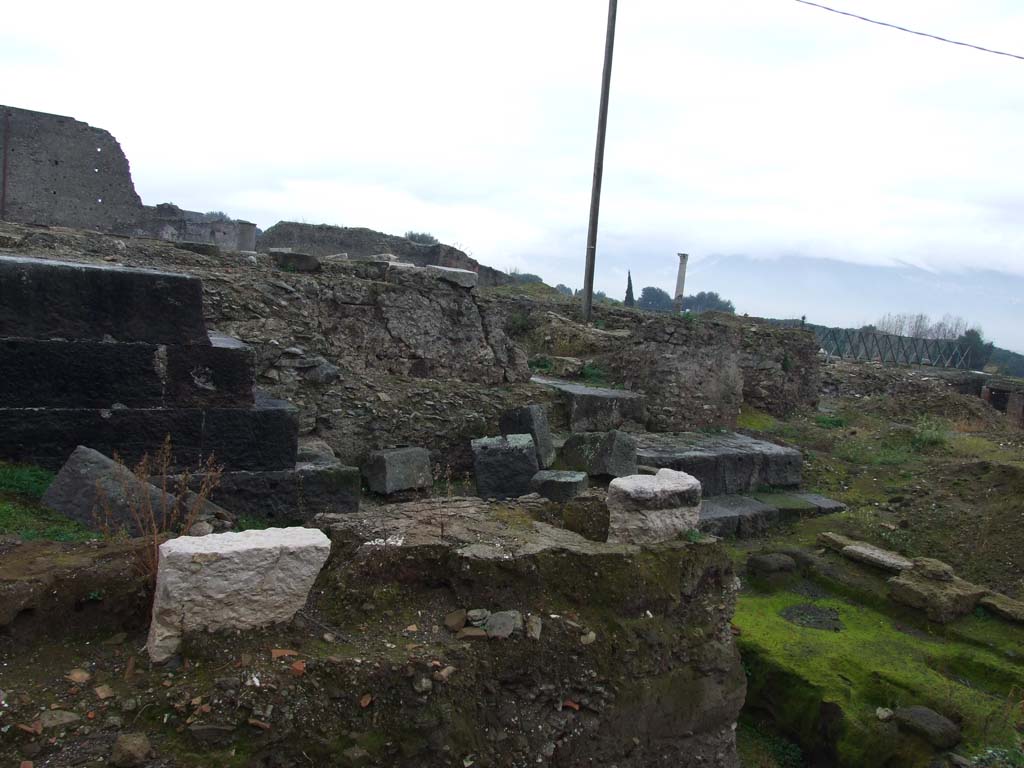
{"x": 877, "y": 557}
{"x": 725, "y": 463}
{"x": 289, "y": 496}
{"x": 398, "y": 469}
{"x": 290, "y": 261}
{"x": 1004, "y": 607}
{"x": 504, "y": 466}
{"x": 97, "y": 492}
{"x": 559, "y": 485}
{"x": 825, "y": 505}
{"x": 44, "y": 299}
{"x": 736, "y": 516}
{"x": 587, "y": 515}
{"x": 940, "y": 731}
{"x": 770, "y": 563}
{"x": 672, "y": 696}
{"x": 84, "y": 374}
{"x": 232, "y": 581}
{"x": 601, "y": 453}
{"x": 464, "y": 278}
{"x": 941, "y": 601}
{"x": 131, "y": 750}
{"x": 597, "y": 409}
{"x": 936, "y": 570}
{"x": 790, "y": 506}
{"x": 531, "y": 420}
{"x": 501, "y": 624}
{"x": 257, "y": 437}
{"x": 835, "y": 541}
{"x": 645, "y": 509}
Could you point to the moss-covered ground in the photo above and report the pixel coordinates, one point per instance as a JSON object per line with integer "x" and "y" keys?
{"x": 928, "y": 473}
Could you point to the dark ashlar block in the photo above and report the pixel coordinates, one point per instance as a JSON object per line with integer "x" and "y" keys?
{"x": 44, "y": 299}
{"x": 96, "y": 374}
{"x": 260, "y": 436}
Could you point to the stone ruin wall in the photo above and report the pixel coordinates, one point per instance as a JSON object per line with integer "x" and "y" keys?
{"x": 359, "y": 242}
{"x": 58, "y": 171}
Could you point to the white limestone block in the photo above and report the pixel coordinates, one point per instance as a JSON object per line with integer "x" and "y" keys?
{"x": 463, "y": 277}
{"x": 647, "y": 509}
{"x": 232, "y": 581}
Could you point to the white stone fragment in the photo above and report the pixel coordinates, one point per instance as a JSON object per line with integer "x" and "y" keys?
{"x": 647, "y": 509}
{"x": 232, "y": 581}
{"x": 464, "y": 277}
{"x": 878, "y": 557}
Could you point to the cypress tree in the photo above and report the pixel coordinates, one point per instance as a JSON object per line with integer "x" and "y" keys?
{"x": 630, "y": 301}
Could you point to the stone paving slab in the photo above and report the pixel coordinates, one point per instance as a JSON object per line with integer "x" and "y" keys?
{"x": 726, "y": 463}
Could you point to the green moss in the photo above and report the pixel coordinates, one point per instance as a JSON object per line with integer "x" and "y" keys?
{"x": 754, "y": 420}
{"x": 797, "y": 674}
{"x": 830, "y": 421}
{"x": 759, "y": 747}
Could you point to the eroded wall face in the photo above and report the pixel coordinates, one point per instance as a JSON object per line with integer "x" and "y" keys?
{"x": 61, "y": 171}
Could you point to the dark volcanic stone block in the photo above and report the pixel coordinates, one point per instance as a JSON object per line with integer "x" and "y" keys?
{"x": 504, "y": 466}
{"x": 45, "y": 299}
{"x": 96, "y": 374}
{"x": 531, "y": 420}
{"x": 259, "y": 436}
{"x": 606, "y": 454}
{"x": 559, "y": 485}
{"x": 736, "y": 516}
{"x": 724, "y": 464}
{"x": 289, "y": 496}
{"x": 398, "y": 469}
{"x": 597, "y": 409}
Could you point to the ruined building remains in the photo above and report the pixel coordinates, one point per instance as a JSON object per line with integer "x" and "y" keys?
{"x": 55, "y": 170}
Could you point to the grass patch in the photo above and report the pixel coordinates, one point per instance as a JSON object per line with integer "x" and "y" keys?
{"x": 929, "y": 434}
{"x": 23, "y": 480}
{"x": 758, "y": 747}
{"x": 33, "y": 522}
{"x": 251, "y": 523}
{"x": 830, "y": 421}
{"x": 541, "y": 364}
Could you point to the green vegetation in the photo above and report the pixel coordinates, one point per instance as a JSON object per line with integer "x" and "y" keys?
{"x": 23, "y": 480}
{"x": 754, "y": 420}
{"x": 30, "y": 521}
{"x": 594, "y": 374}
{"x": 541, "y": 364}
{"x": 423, "y": 238}
{"x": 830, "y": 421}
{"x": 759, "y": 747}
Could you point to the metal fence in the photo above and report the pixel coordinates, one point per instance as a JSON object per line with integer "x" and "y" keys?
{"x": 886, "y": 348}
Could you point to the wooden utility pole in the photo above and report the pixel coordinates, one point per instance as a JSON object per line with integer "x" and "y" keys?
{"x": 595, "y": 194}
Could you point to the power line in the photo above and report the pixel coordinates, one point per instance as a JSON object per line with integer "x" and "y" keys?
{"x": 911, "y": 31}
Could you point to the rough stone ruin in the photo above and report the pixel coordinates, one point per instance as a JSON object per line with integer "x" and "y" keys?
{"x": 55, "y": 170}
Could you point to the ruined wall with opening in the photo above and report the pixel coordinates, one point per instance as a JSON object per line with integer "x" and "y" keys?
{"x": 58, "y": 170}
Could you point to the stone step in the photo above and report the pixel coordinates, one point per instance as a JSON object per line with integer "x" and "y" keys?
{"x": 96, "y": 374}
{"x": 726, "y": 463}
{"x": 45, "y": 299}
{"x": 744, "y": 517}
{"x": 260, "y": 436}
{"x": 597, "y": 409}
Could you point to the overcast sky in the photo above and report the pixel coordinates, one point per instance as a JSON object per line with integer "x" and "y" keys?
{"x": 776, "y": 143}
